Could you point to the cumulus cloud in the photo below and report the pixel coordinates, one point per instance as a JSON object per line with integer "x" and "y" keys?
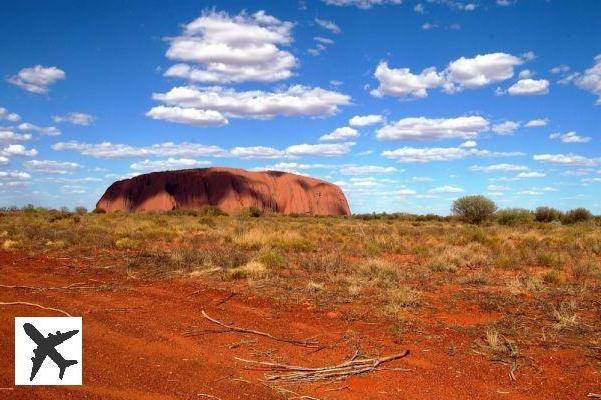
{"x": 75, "y": 118}
{"x": 190, "y": 116}
{"x": 460, "y": 74}
{"x": 236, "y": 48}
{"x": 430, "y": 154}
{"x": 570, "y": 137}
{"x": 366, "y": 170}
{"x": 257, "y": 152}
{"x": 534, "y": 123}
{"x": 42, "y": 130}
{"x": 113, "y": 150}
{"x": 295, "y": 100}
{"x": 402, "y": 82}
{"x": 426, "y": 26}
{"x": 9, "y": 116}
{"x": 364, "y": 4}
{"x": 498, "y": 168}
{"x": 329, "y": 25}
{"x": 14, "y": 175}
{"x": 506, "y": 128}
{"x": 37, "y": 79}
{"x": 344, "y": 133}
{"x": 52, "y": 167}
{"x": 529, "y": 87}
{"x": 168, "y": 164}
{"x": 328, "y": 150}
{"x": 360, "y": 121}
{"x": 10, "y": 136}
{"x": 422, "y": 128}
{"x": 530, "y": 174}
{"x": 468, "y": 144}
{"x": 446, "y": 189}
{"x": 567, "y": 159}
{"x": 17, "y": 150}
{"x": 590, "y": 80}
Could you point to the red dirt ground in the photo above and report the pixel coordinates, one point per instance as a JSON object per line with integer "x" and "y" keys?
{"x": 135, "y": 345}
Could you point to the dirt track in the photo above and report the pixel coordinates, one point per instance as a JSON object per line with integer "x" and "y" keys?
{"x": 135, "y": 345}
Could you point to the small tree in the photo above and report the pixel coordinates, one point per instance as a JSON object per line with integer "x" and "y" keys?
{"x": 474, "y": 209}
{"x": 547, "y": 214}
{"x": 577, "y": 215}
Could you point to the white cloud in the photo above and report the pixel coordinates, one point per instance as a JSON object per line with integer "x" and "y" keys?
{"x": 295, "y": 100}
{"x": 468, "y": 144}
{"x": 530, "y": 192}
{"x": 344, "y": 133}
{"x": 525, "y": 74}
{"x": 366, "y": 170}
{"x": 359, "y": 121}
{"x": 328, "y": 150}
{"x": 10, "y": 136}
{"x": 530, "y": 174}
{"x": 536, "y": 123}
{"x": 419, "y": 8}
{"x": 190, "y": 116}
{"x": 236, "y": 48}
{"x": 19, "y": 175}
{"x": 168, "y": 164}
{"x": 364, "y": 4}
{"x": 590, "y": 80}
{"x": 529, "y": 87}
{"x": 430, "y": 154}
{"x": 37, "y": 79}
{"x": 446, "y": 189}
{"x": 257, "y": 152}
{"x": 422, "y": 128}
{"x": 499, "y": 168}
{"x": 17, "y": 150}
{"x": 567, "y": 159}
{"x": 42, "y": 130}
{"x": 76, "y": 118}
{"x": 9, "y": 116}
{"x": 497, "y": 188}
{"x": 4, "y": 160}
{"x": 482, "y": 70}
{"x": 323, "y": 40}
{"x": 463, "y": 73}
{"x": 570, "y": 137}
{"x": 429, "y": 26}
{"x": 113, "y": 150}
{"x": 329, "y": 25}
{"x": 560, "y": 69}
{"x": 402, "y": 82}
{"x": 52, "y": 167}
{"x": 506, "y": 128}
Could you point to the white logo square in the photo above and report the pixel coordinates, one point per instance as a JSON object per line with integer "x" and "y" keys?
{"x": 48, "y": 351}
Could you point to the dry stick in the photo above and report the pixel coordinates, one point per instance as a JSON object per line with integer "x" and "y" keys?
{"x": 254, "y": 332}
{"x": 340, "y": 371}
{"x": 594, "y": 396}
{"x": 208, "y": 396}
{"x": 13, "y": 303}
{"x": 71, "y": 286}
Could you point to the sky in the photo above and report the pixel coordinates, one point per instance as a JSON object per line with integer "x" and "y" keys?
{"x": 406, "y": 105}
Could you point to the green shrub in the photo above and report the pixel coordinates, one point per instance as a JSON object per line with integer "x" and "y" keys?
{"x": 547, "y": 214}
{"x": 514, "y": 216}
{"x": 474, "y": 209}
{"x": 577, "y": 215}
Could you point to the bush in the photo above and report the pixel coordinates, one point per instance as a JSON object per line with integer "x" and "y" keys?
{"x": 211, "y": 211}
{"x": 514, "y": 216}
{"x": 577, "y": 215}
{"x": 81, "y": 210}
{"x": 249, "y": 212}
{"x": 547, "y": 214}
{"x": 474, "y": 209}
{"x": 99, "y": 210}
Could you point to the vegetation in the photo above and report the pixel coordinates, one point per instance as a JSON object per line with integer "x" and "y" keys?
{"x": 474, "y": 209}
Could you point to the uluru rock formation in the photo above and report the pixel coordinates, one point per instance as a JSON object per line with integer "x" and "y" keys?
{"x": 228, "y": 189}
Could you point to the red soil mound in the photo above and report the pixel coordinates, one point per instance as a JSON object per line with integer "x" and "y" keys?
{"x": 226, "y": 188}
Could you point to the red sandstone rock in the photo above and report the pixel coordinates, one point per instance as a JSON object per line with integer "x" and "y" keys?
{"x": 228, "y": 189}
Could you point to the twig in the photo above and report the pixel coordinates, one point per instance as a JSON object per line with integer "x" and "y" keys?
{"x": 594, "y": 396}
{"x": 71, "y": 286}
{"x": 305, "y": 343}
{"x": 13, "y": 303}
{"x": 341, "y": 371}
{"x": 226, "y": 299}
{"x": 208, "y": 396}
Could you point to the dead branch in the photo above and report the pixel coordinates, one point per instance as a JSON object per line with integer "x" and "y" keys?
{"x": 354, "y": 366}
{"x": 14, "y": 303}
{"x": 208, "y": 396}
{"x": 71, "y": 286}
{"x": 306, "y": 343}
{"x": 594, "y": 396}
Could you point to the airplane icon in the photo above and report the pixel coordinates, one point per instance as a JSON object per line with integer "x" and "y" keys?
{"x": 46, "y": 347}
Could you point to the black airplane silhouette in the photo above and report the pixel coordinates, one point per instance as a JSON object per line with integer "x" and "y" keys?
{"x": 46, "y": 347}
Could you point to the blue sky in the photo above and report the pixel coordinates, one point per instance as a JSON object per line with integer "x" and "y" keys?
{"x": 406, "y": 105}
